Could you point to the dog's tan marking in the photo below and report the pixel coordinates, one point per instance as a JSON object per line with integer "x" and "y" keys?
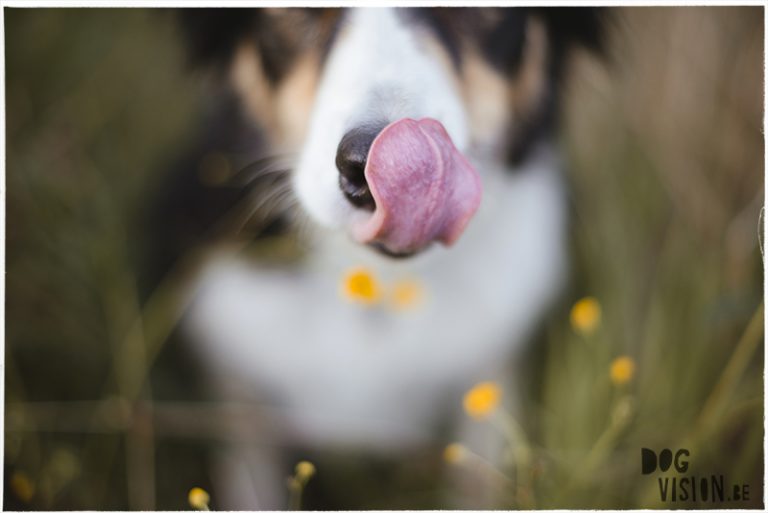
{"x": 282, "y": 111}
{"x": 294, "y": 100}
{"x": 530, "y": 85}
{"x": 487, "y": 95}
{"x": 252, "y": 87}
{"x": 494, "y": 102}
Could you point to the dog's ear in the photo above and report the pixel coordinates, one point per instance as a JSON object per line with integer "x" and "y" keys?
{"x": 577, "y": 26}
{"x": 211, "y": 34}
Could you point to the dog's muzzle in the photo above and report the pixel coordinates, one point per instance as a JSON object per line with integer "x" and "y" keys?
{"x": 417, "y": 185}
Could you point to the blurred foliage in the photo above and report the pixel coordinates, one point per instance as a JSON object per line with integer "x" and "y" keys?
{"x": 667, "y": 185}
{"x": 96, "y": 101}
{"x": 666, "y": 149}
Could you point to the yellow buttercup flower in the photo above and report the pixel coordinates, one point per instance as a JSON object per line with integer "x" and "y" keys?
{"x": 296, "y": 483}
{"x": 198, "y": 498}
{"x": 482, "y": 400}
{"x": 622, "y": 370}
{"x": 304, "y": 470}
{"x": 22, "y": 486}
{"x": 407, "y": 294}
{"x": 361, "y": 285}
{"x": 454, "y": 453}
{"x": 585, "y": 315}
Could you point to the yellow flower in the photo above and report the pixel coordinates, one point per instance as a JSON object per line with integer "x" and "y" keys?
{"x": 22, "y": 486}
{"x": 198, "y": 498}
{"x": 454, "y": 453}
{"x": 482, "y": 399}
{"x": 407, "y": 294}
{"x": 304, "y": 470}
{"x": 361, "y": 285}
{"x": 296, "y": 483}
{"x": 622, "y": 370}
{"x": 585, "y": 315}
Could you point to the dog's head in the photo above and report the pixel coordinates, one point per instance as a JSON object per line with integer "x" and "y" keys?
{"x": 389, "y": 111}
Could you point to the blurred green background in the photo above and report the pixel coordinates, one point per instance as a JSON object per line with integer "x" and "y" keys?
{"x": 666, "y": 148}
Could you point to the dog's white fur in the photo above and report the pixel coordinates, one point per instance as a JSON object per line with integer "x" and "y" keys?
{"x": 346, "y": 374}
{"x": 378, "y": 70}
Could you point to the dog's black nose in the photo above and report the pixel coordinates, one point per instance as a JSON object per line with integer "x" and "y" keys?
{"x": 351, "y": 157}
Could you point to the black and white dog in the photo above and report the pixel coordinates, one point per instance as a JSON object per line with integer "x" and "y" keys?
{"x": 415, "y": 143}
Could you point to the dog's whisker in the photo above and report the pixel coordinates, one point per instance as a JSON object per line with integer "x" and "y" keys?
{"x": 271, "y": 165}
{"x": 269, "y": 204}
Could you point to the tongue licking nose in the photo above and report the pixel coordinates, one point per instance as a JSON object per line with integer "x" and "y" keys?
{"x": 424, "y": 188}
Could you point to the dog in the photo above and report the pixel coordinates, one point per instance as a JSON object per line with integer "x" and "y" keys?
{"x": 415, "y": 145}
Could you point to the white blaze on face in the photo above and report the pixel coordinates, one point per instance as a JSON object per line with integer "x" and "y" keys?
{"x": 378, "y": 70}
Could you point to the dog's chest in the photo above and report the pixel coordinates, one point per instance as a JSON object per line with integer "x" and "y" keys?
{"x": 346, "y": 372}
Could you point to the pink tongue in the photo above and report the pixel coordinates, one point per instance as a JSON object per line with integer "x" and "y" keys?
{"x": 424, "y": 188}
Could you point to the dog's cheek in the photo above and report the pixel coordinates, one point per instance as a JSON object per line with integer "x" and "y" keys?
{"x": 488, "y": 96}
{"x": 281, "y": 110}
{"x": 531, "y": 83}
{"x": 294, "y": 99}
{"x": 500, "y": 105}
{"x": 255, "y": 91}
